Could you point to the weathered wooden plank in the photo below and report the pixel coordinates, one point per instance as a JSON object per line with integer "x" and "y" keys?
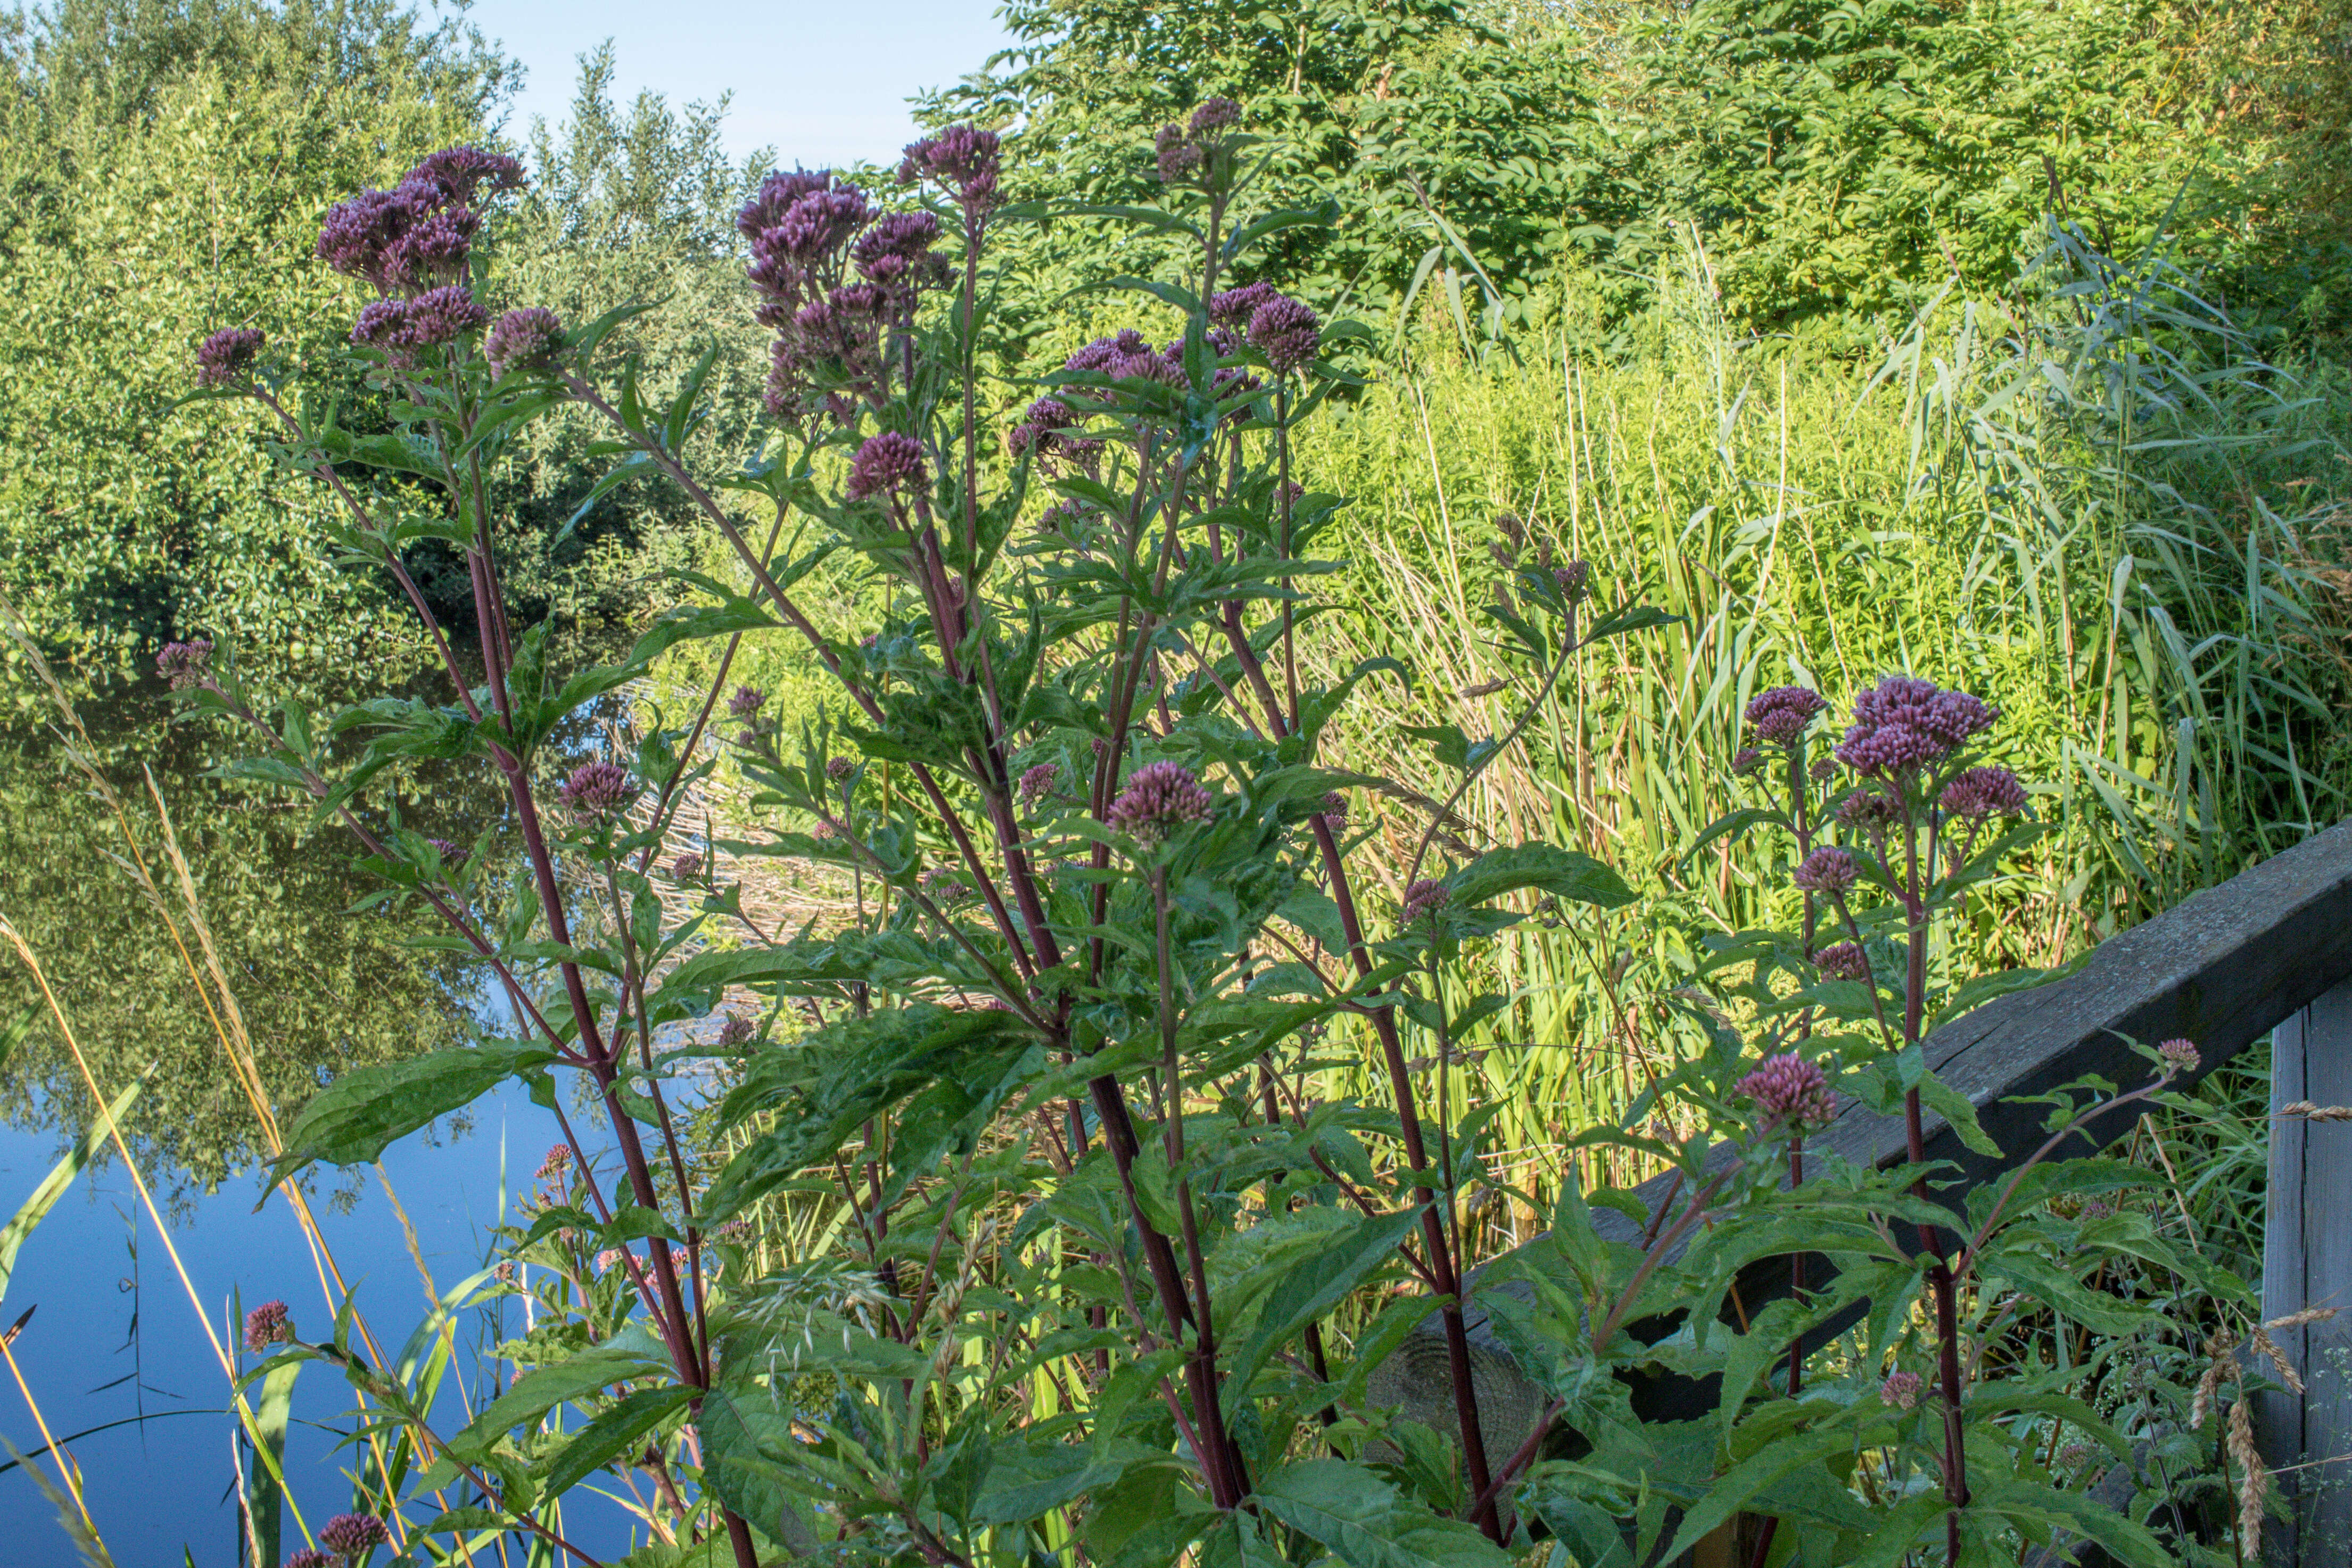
{"x": 2308, "y": 1262}
{"x": 2221, "y": 969}
{"x": 2279, "y": 1415}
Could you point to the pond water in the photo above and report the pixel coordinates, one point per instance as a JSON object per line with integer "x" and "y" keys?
{"x": 116, "y": 1354}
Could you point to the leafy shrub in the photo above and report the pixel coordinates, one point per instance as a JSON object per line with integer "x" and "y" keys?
{"x": 1101, "y": 1262}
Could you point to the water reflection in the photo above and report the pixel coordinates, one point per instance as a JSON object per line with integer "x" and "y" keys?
{"x": 116, "y": 1350}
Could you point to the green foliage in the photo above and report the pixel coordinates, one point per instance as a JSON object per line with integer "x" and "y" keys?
{"x": 1427, "y": 129}
{"x": 166, "y": 167}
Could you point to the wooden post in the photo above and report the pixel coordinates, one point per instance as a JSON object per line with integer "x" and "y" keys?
{"x": 2308, "y": 1262}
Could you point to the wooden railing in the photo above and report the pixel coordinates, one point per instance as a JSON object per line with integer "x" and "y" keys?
{"x": 2270, "y": 948}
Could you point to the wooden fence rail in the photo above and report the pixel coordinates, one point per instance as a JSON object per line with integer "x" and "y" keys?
{"x": 2270, "y": 947}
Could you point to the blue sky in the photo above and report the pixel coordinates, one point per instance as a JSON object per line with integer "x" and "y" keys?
{"x": 820, "y": 82}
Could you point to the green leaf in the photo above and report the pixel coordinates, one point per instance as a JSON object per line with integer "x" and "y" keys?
{"x": 61, "y": 1176}
{"x": 611, "y": 1434}
{"x": 1367, "y": 1524}
{"x": 590, "y": 1371}
{"x": 1316, "y": 1283}
{"x": 1562, "y": 873}
{"x": 354, "y": 1118}
{"x": 1731, "y": 826}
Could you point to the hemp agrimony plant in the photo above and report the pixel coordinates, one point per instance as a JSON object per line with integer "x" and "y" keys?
{"x": 1103, "y": 1247}
{"x": 1103, "y": 1264}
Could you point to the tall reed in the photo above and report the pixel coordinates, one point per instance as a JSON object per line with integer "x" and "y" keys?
{"x": 2091, "y": 503}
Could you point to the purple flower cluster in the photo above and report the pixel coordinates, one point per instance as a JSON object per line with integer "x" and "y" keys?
{"x": 800, "y": 226}
{"x": 1780, "y": 716}
{"x": 963, "y": 160}
{"x": 419, "y": 233}
{"x": 453, "y": 856}
{"x": 1184, "y": 151}
{"x": 1335, "y": 811}
{"x": 1904, "y": 724}
{"x": 1574, "y": 580}
{"x": 310, "y": 1557}
{"x": 943, "y": 886}
{"x": 1791, "y": 1091}
{"x": 2180, "y": 1056}
{"x": 1160, "y": 797}
{"x": 267, "y": 1325}
{"x": 1037, "y": 780}
{"x": 1421, "y": 900}
{"x": 1843, "y": 961}
{"x": 737, "y": 1031}
{"x": 526, "y": 339}
{"x": 226, "y": 359}
{"x": 597, "y": 789}
{"x": 1287, "y": 332}
{"x": 1746, "y": 761}
{"x": 1828, "y": 869}
{"x": 436, "y": 317}
{"x": 557, "y": 1161}
{"x": 352, "y": 1535}
{"x": 186, "y": 664}
{"x": 1232, "y": 309}
{"x": 1044, "y": 433}
{"x": 839, "y": 768}
{"x": 686, "y": 867}
{"x": 1871, "y": 811}
{"x": 1901, "y": 1391}
{"x": 885, "y": 465}
{"x": 1977, "y": 793}
{"x": 746, "y": 701}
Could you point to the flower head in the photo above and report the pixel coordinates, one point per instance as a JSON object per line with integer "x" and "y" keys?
{"x": 1213, "y": 115}
{"x": 1233, "y": 308}
{"x": 963, "y": 160}
{"x": 443, "y": 315}
{"x": 1574, "y": 579}
{"x": 686, "y": 867}
{"x": 1101, "y": 353}
{"x": 352, "y": 1534}
{"x": 839, "y": 768}
{"x": 1746, "y": 761}
{"x": 225, "y": 358}
{"x": 1791, "y": 1091}
{"x": 1335, "y": 811}
{"x": 1843, "y": 961}
{"x": 460, "y": 172}
{"x": 885, "y": 463}
{"x": 1871, "y": 811}
{"x": 1981, "y": 792}
{"x": 453, "y": 856}
{"x": 1036, "y": 781}
{"x": 1828, "y": 869}
{"x": 310, "y": 1557}
{"x": 1780, "y": 716}
{"x": 267, "y": 1325}
{"x": 597, "y": 789}
{"x": 557, "y": 1161}
{"x": 1287, "y": 332}
{"x": 185, "y": 664}
{"x": 1901, "y": 1391}
{"x": 527, "y": 338}
{"x": 738, "y": 1030}
{"x": 612, "y": 1258}
{"x": 746, "y": 701}
{"x": 1423, "y": 900}
{"x": 382, "y": 324}
{"x": 943, "y": 886}
{"x": 2179, "y": 1056}
{"x": 1822, "y": 769}
{"x": 1160, "y": 797}
{"x": 1904, "y": 724}
{"x": 1176, "y": 155}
